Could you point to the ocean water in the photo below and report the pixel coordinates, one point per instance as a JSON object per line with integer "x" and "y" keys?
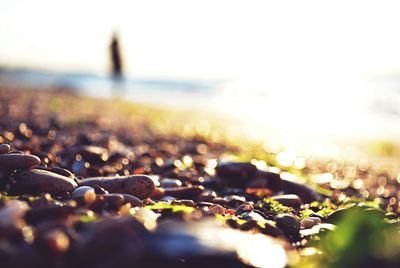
{"x": 291, "y": 112}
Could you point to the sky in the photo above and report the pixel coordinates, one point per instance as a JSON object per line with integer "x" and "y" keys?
{"x": 205, "y": 39}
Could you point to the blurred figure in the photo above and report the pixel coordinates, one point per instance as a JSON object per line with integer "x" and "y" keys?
{"x": 116, "y": 57}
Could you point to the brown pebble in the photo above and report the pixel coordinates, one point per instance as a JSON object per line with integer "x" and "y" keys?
{"x": 133, "y": 200}
{"x": 184, "y": 202}
{"x": 140, "y": 186}
{"x": 19, "y": 161}
{"x": 158, "y": 193}
{"x": 216, "y": 209}
{"x": 184, "y": 192}
{"x": 4, "y": 148}
{"x": 306, "y": 223}
{"x": 289, "y": 200}
{"x": 38, "y": 181}
{"x": 62, "y": 171}
{"x": 114, "y": 200}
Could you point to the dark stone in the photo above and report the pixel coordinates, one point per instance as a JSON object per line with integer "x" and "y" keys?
{"x": 140, "y": 186}
{"x": 49, "y": 212}
{"x": 133, "y": 200}
{"x": 62, "y": 171}
{"x": 93, "y": 154}
{"x": 271, "y": 230}
{"x": 36, "y": 181}
{"x": 170, "y": 183}
{"x": 306, "y": 193}
{"x": 4, "y": 148}
{"x": 270, "y": 180}
{"x": 289, "y": 200}
{"x": 187, "y": 192}
{"x": 236, "y": 174}
{"x": 18, "y": 161}
{"x": 288, "y": 224}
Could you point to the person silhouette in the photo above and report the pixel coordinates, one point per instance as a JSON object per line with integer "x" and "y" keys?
{"x": 116, "y": 58}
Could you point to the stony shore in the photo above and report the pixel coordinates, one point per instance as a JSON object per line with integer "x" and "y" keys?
{"x": 86, "y": 183}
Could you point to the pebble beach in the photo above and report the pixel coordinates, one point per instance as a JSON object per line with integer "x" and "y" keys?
{"x": 101, "y": 183}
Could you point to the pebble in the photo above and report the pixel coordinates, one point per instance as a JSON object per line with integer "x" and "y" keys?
{"x": 185, "y": 192}
{"x": 249, "y": 225}
{"x": 316, "y": 220}
{"x": 272, "y": 180}
{"x": 288, "y": 224}
{"x": 236, "y": 173}
{"x": 84, "y": 194}
{"x": 306, "y": 223}
{"x": 306, "y": 193}
{"x": 184, "y": 202}
{"x": 113, "y": 200}
{"x": 289, "y": 200}
{"x": 170, "y": 183}
{"x": 4, "y": 148}
{"x": 253, "y": 216}
{"x": 49, "y": 212}
{"x": 93, "y": 154}
{"x": 234, "y": 201}
{"x": 207, "y": 196}
{"x": 63, "y": 172}
{"x": 82, "y": 190}
{"x": 38, "y": 181}
{"x": 133, "y": 200}
{"x": 140, "y": 186}
{"x": 12, "y": 212}
{"x": 18, "y": 161}
{"x": 216, "y": 209}
{"x": 271, "y": 230}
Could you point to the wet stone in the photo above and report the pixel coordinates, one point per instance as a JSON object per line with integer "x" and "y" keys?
{"x": 170, "y": 183}
{"x": 269, "y": 180}
{"x": 62, "y": 171}
{"x": 216, "y": 209}
{"x": 271, "y": 230}
{"x": 94, "y": 154}
{"x": 185, "y": 202}
{"x": 18, "y": 161}
{"x": 289, "y": 200}
{"x": 140, "y": 186}
{"x": 288, "y": 224}
{"x": 49, "y": 212}
{"x": 207, "y": 196}
{"x": 188, "y": 192}
{"x": 236, "y": 174}
{"x": 306, "y": 193}
{"x": 113, "y": 200}
{"x": 100, "y": 190}
{"x": 38, "y": 181}
{"x": 253, "y": 216}
{"x": 306, "y": 223}
{"x": 4, "y": 148}
{"x": 81, "y": 191}
{"x": 316, "y": 220}
{"x": 133, "y": 200}
{"x": 234, "y": 201}
{"x": 248, "y": 225}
